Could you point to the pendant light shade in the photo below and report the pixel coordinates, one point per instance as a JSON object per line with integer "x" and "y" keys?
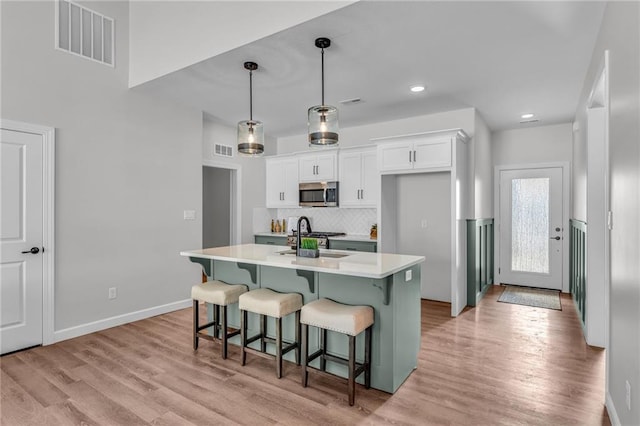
{"x": 323, "y": 119}
{"x": 250, "y": 132}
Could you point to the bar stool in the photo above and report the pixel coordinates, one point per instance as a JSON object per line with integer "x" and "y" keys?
{"x": 268, "y": 303}
{"x": 346, "y": 319}
{"x": 219, "y": 294}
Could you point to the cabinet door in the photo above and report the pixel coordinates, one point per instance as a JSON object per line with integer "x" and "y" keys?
{"x": 370, "y": 187}
{"x": 282, "y": 183}
{"x": 326, "y": 167}
{"x": 307, "y": 168}
{"x": 274, "y": 183}
{"x": 395, "y": 156}
{"x": 350, "y": 179}
{"x": 432, "y": 152}
{"x": 290, "y": 189}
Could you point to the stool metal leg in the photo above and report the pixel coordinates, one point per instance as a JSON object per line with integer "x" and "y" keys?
{"x": 195, "y": 324}
{"x": 323, "y": 346}
{"x": 279, "y": 347}
{"x": 243, "y": 336}
{"x": 352, "y": 368}
{"x": 297, "y": 325}
{"x": 263, "y": 333}
{"x": 367, "y": 357}
{"x": 223, "y": 320}
{"x": 216, "y": 320}
{"x": 305, "y": 356}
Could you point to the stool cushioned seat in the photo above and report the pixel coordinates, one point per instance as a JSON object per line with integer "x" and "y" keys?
{"x": 218, "y": 292}
{"x": 330, "y": 315}
{"x": 264, "y": 301}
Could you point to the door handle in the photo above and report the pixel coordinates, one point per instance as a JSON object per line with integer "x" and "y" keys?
{"x": 34, "y": 250}
{"x": 555, "y": 238}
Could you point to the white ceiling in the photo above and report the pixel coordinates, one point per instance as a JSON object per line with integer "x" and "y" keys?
{"x": 503, "y": 58}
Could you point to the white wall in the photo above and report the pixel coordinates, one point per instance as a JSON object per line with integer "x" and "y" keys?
{"x": 127, "y": 165}
{"x": 251, "y": 170}
{"x": 170, "y": 35}
{"x": 532, "y": 145}
{"x": 423, "y": 228}
{"x": 480, "y": 155}
{"x": 361, "y": 135}
{"x": 620, "y": 34}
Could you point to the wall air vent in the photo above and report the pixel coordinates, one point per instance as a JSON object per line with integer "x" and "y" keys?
{"x": 223, "y": 150}
{"x": 83, "y": 32}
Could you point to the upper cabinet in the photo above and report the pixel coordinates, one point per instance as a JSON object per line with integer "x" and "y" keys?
{"x": 282, "y": 182}
{"x": 318, "y": 167}
{"x": 415, "y": 153}
{"x": 359, "y": 179}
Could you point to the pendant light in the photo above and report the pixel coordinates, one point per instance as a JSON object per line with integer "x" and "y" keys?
{"x": 323, "y": 119}
{"x": 250, "y": 132}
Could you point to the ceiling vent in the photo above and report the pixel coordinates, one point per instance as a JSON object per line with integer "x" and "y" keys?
{"x": 535, "y": 120}
{"x": 223, "y": 150}
{"x": 83, "y": 32}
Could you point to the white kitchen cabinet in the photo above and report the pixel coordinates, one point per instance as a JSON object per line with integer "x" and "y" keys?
{"x": 282, "y": 182}
{"x": 415, "y": 153}
{"x": 318, "y": 167}
{"x": 359, "y": 180}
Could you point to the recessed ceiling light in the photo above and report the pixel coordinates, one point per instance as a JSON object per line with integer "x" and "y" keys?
{"x": 417, "y": 89}
{"x": 527, "y": 115}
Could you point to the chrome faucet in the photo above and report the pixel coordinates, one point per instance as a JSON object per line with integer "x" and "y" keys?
{"x": 299, "y": 238}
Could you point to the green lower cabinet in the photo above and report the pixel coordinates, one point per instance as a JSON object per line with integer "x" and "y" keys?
{"x": 368, "y": 246}
{"x": 270, "y": 239}
{"x": 396, "y": 304}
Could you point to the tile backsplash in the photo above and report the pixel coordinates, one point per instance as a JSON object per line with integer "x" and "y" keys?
{"x": 350, "y": 221}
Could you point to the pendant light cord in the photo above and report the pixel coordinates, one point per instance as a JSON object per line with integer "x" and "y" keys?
{"x": 322, "y": 56}
{"x": 250, "y": 96}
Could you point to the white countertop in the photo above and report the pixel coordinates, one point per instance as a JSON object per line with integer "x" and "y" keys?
{"x": 358, "y": 264}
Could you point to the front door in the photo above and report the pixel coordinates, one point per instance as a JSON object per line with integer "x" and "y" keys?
{"x": 531, "y": 228}
{"x": 21, "y": 263}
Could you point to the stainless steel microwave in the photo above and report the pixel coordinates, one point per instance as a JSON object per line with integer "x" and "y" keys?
{"x": 319, "y": 194}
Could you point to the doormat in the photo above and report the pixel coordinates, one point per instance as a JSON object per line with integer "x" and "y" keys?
{"x": 536, "y": 297}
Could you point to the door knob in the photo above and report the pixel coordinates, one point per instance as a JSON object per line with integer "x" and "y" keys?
{"x": 34, "y": 250}
{"x": 555, "y": 238}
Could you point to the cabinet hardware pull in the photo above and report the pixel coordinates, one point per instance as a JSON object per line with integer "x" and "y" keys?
{"x": 414, "y": 156}
{"x": 362, "y": 194}
{"x": 409, "y": 156}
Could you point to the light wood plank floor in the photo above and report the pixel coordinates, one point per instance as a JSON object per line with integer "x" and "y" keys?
{"x": 495, "y": 364}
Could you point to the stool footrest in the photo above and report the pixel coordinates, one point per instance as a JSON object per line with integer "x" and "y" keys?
{"x": 319, "y": 372}
{"x": 211, "y": 324}
{"x": 285, "y": 349}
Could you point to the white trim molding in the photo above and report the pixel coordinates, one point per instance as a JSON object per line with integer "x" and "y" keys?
{"x": 611, "y": 410}
{"x": 92, "y": 327}
{"x": 48, "y": 220}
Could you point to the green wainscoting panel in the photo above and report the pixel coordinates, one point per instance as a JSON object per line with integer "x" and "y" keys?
{"x": 578, "y": 265}
{"x": 479, "y": 259}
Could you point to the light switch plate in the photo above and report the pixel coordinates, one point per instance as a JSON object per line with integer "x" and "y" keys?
{"x": 189, "y": 215}
{"x": 408, "y": 275}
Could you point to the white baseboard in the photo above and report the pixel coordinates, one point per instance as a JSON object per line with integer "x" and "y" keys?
{"x": 611, "y": 410}
{"x": 92, "y": 327}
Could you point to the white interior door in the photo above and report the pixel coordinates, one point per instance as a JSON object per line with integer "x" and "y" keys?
{"x": 21, "y": 236}
{"x": 531, "y": 229}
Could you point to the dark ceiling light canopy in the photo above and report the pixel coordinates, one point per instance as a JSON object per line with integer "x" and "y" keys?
{"x": 323, "y": 119}
{"x": 250, "y": 132}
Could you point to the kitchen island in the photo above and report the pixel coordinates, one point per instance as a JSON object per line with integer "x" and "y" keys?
{"x": 390, "y": 283}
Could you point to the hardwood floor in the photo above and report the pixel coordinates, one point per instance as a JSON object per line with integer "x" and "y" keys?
{"x": 494, "y": 364}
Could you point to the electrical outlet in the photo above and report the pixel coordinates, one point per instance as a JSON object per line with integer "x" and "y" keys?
{"x": 113, "y": 293}
{"x": 628, "y": 388}
{"x": 423, "y": 223}
{"x": 408, "y": 275}
{"x": 189, "y": 215}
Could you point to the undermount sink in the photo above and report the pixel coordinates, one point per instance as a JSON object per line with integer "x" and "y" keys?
{"x": 322, "y": 254}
